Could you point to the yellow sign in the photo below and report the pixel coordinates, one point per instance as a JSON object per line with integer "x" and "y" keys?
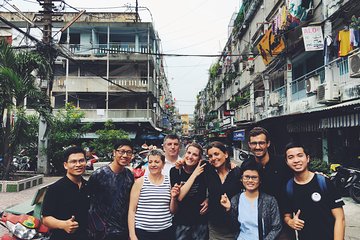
{"x": 270, "y": 46}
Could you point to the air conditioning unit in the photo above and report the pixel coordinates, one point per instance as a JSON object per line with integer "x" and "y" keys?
{"x": 328, "y": 92}
{"x": 259, "y": 101}
{"x": 274, "y": 99}
{"x": 61, "y": 82}
{"x": 44, "y": 84}
{"x": 354, "y": 65}
{"x": 312, "y": 83}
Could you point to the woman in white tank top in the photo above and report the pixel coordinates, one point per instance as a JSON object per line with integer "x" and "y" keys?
{"x": 152, "y": 203}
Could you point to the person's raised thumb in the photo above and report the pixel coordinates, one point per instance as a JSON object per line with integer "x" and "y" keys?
{"x": 72, "y": 218}
{"x": 297, "y": 214}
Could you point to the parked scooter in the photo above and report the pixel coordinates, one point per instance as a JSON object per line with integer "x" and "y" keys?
{"x": 138, "y": 165}
{"x": 346, "y": 180}
{"x": 25, "y": 227}
{"x": 21, "y": 163}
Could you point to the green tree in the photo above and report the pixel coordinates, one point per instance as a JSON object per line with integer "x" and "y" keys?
{"x": 104, "y": 144}
{"x": 17, "y": 83}
{"x": 66, "y": 130}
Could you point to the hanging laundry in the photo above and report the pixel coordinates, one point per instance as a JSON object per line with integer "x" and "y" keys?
{"x": 344, "y": 43}
{"x": 328, "y": 43}
{"x": 353, "y": 41}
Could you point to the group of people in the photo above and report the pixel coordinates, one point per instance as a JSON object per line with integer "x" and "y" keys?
{"x": 189, "y": 198}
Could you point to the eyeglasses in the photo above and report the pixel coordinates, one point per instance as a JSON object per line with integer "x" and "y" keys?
{"x": 247, "y": 178}
{"x": 122, "y": 152}
{"x": 74, "y": 162}
{"x": 254, "y": 144}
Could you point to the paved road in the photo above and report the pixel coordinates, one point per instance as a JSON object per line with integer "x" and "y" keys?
{"x": 352, "y": 209}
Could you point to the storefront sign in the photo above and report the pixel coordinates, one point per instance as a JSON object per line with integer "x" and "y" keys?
{"x": 239, "y": 135}
{"x": 313, "y": 38}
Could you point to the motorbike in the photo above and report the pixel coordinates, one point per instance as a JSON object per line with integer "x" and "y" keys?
{"x": 346, "y": 180}
{"x": 24, "y": 227}
{"x": 137, "y": 165}
{"x": 21, "y": 163}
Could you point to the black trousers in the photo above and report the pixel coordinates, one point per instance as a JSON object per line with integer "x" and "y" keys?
{"x": 166, "y": 234}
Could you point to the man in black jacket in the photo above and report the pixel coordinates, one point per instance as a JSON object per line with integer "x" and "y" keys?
{"x": 275, "y": 171}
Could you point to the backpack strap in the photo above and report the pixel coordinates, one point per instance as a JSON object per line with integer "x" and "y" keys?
{"x": 322, "y": 182}
{"x": 320, "y": 179}
{"x": 290, "y": 188}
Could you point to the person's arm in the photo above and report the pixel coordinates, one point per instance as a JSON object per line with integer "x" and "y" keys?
{"x": 134, "y": 198}
{"x": 69, "y": 226}
{"x": 339, "y": 227}
{"x": 175, "y": 190}
{"x": 187, "y": 186}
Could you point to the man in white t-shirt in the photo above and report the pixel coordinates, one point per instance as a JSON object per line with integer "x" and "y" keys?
{"x": 171, "y": 147}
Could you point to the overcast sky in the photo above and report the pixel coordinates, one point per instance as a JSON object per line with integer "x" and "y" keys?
{"x": 184, "y": 27}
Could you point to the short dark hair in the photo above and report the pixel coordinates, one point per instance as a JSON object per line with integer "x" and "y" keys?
{"x": 171, "y": 136}
{"x": 296, "y": 145}
{"x": 257, "y": 131}
{"x": 251, "y": 165}
{"x": 157, "y": 152}
{"x": 222, "y": 147}
{"x": 72, "y": 150}
{"x": 195, "y": 145}
{"x": 123, "y": 142}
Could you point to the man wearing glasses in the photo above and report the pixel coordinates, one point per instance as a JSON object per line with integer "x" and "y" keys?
{"x": 275, "y": 171}
{"x": 66, "y": 205}
{"x": 109, "y": 189}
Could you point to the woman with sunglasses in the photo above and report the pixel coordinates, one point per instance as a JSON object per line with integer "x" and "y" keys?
{"x": 255, "y": 215}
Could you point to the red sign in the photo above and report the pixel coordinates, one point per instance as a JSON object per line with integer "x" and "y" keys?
{"x": 229, "y": 113}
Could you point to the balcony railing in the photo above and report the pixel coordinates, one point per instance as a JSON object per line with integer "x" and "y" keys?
{"x": 118, "y": 114}
{"x": 97, "y": 84}
{"x": 298, "y": 86}
{"x": 102, "y": 49}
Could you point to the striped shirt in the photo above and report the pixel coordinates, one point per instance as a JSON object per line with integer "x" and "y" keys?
{"x": 153, "y": 208}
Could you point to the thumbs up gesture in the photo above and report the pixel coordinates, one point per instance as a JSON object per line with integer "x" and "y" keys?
{"x": 70, "y": 225}
{"x": 296, "y": 223}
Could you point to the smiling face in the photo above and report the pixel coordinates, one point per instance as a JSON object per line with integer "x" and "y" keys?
{"x": 155, "y": 164}
{"x": 217, "y": 158}
{"x": 171, "y": 148}
{"x": 123, "y": 155}
{"x": 297, "y": 159}
{"x": 192, "y": 156}
{"x": 75, "y": 165}
{"x": 251, "y": 180}
{"x": 259, "y": 145}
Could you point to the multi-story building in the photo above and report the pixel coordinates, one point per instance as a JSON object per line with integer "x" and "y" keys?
{"x": 110, "y": 66}
{"x": 292, "y": 67}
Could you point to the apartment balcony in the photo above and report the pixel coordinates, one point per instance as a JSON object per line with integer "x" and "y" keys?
{"x": 118, "y": 115}
{"x": 97, "y": 84}
{"x": 117, "y": 51}
{"x": 244, "y": 114}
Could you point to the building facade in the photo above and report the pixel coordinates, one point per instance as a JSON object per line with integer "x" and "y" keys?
{"x": 111, "y": 66}
{"x": 292, "y": 67}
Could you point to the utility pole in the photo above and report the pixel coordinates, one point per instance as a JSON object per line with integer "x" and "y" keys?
{"x": 48, "y": 51}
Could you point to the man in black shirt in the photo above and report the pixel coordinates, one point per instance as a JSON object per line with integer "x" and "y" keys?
{"x": 315, "y": 212}
{"x": 275, "y": 171}
{"x": 66, "y": 202}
